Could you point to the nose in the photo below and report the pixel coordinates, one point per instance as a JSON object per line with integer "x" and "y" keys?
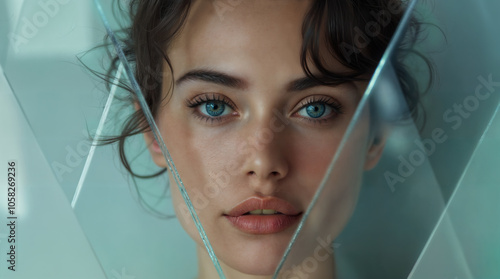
{"x": 267, "y": 162}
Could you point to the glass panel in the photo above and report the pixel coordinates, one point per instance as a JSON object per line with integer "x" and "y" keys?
{"x": 63, "y": 102}
{"x": 416, "y": 219}
{"x": 129, "y": 220}
{"x": 396, "y": 204}
{"x": 43, "y": 97}
{"x": 464, "y": 243}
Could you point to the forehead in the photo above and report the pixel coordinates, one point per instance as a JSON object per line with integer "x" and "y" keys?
{"x": 250, "y": 36}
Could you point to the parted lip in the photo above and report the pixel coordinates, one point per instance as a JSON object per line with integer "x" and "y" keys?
{"x": 254, "y": 203}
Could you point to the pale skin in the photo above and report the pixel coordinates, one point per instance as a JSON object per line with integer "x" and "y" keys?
{"x": 256, "y": 130}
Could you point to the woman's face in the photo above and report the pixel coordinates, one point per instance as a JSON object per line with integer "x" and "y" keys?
{"x": 247, "y": 130}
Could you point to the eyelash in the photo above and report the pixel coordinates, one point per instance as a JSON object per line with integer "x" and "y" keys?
{"x": 201, "y": 99}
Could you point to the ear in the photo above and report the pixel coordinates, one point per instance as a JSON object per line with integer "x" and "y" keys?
{"x": 375, "y": 149}
{"x": 153, "y": 146}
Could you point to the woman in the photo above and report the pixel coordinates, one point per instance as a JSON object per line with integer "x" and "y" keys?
{"x": 253, "y": 99}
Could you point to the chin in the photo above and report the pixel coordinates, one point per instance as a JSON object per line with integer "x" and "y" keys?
{"x": 255, "y": 266}
{"x": 259, "y": 255}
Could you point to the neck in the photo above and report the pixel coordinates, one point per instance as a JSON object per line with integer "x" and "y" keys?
{"x": 317, "y": 270}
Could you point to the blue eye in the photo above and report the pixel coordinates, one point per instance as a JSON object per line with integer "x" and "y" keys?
{"x": 315, "y": 110}
{"x": 214, "y": 108}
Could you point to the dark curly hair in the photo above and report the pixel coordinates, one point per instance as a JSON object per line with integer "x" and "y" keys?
{"x": 355, "y": 32}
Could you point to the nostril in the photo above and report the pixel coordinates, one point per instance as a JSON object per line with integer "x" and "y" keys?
{"x": 272, "y": 174}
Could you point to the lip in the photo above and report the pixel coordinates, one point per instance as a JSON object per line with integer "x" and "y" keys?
{"x": 263, "y": 224}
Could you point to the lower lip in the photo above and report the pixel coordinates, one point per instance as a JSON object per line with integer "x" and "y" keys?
{"x": 263, "y": 224}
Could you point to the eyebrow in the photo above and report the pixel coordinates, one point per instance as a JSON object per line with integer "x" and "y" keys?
{"x": 228, "y": 80}
{"x": 212, "y": 77}
{"x": 302, "y": 84}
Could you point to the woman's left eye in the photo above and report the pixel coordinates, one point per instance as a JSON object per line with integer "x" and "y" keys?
{"x": 315, "y": 110}
{"x": 319, "y": 108}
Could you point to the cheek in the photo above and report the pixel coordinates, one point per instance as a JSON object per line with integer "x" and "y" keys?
{"x": 179, "y": 140}
{"x": 201, "y": 159}
{"x": 310, "y": 157}
{"x": 194, "y": 172}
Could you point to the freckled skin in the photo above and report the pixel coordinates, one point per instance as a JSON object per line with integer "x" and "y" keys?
{"x": 259, "y": 42}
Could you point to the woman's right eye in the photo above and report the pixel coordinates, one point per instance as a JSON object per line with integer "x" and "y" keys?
{"x": 214, "y": 108}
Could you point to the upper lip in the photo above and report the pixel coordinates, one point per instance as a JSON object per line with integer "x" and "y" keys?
{"x": 254, "y": 203}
